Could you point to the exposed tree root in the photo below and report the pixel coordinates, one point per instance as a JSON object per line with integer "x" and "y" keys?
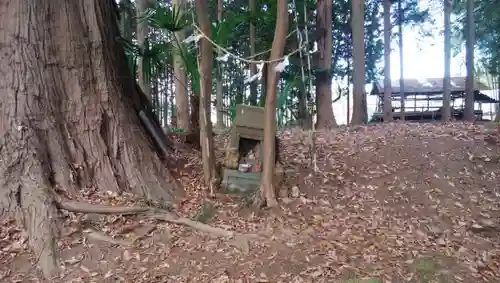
{"x": 80, "y": 207}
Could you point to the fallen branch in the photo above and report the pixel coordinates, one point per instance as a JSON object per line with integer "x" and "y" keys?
{"x": 193, "y": 224}
{"x": 79, "y": 207}
{"x": 74, "y": 206}
{"x": 104, "y": 238}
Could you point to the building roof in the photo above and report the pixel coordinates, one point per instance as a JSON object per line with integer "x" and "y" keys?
{"x": 426, "y": 86}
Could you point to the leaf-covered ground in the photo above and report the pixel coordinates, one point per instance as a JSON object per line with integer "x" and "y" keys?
{"x": 390, "y": 203}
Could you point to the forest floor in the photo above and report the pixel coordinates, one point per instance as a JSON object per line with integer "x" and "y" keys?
{"x": 390, "y": 203}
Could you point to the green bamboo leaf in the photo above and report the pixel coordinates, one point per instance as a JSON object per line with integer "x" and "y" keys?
{"x": 169, "y": 19}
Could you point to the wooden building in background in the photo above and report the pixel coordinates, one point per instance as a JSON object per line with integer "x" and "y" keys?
{"x": 424, "y": 99}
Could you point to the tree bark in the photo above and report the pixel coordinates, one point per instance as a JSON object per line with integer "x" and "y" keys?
{"x": 205, "y": 66}
{"x": 267, "y": 194}
{"x": 170, "y": 77}
{"x": 219, "y": 85}
{"x": 469, "y": 61}
{"x": 142, "y": 34}
{"x": 497, "y": 106}
{"x": 446, "y": 114}
{"x": 194, "y": 115}
{"x": 181, "y": 89}
{"x": 325, "y": 118}
{"x": 387, "y": 62}
{"x": 262, "y": 98}
{"x": 69, "y": 115}
{"x": 253, "y": 67}
{"x": 358, "y": 61}
{"x": 126, "y": 18}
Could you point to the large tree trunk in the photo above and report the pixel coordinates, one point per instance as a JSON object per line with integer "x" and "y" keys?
{"x": 469, "y": 61}
{"x": 142, "y": 34}
{"x": 205, "y": 67}
{"x": 219, "y": 86}
{"x": 358, "y": 64}
{"x": 253, "y": 67}
{"x": 387, "y": 62}
{"x": 325, "y": 118}
{"x": 446, "y": 112}
{"x": 267, "y": 194}
{"x": 69, "y": 115}
{"x": 181, "y": 89}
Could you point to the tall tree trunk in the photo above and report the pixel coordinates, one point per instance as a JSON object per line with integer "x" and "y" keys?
{"x": 219, "y": 85}
{"x": 348, "y": 90}
{"x": 325, "y": 118}
{"x": 401, "y": 61}
{"x": 358, "y": 61}
{"x": 194, "y": 115}
{"x": 387, "y": 62}
{"x": 469, "y": 61}
{"x": 181, "y": 89}
{"x": 267, "y": 194}
{"x": 166, "y": 96}
{"x": 69, "y": 117}
{"x": 446, "y": 112}
{"x": 253, "y": 67}
{"x": 205, "y": 66}
{"x": 497, "y": 106}
{"x": 262, "y": 98}
{"x": 142, "y": 34}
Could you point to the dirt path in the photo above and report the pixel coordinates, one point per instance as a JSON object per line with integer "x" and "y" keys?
{"x": 391, "y": 203}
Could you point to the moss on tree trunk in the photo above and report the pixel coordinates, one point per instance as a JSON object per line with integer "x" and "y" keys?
{"x": 69, "y": 115}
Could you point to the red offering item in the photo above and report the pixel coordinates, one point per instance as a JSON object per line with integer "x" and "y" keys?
{"x": 257, "y": 167}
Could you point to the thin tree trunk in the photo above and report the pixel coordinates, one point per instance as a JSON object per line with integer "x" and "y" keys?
{"x": 348, "y": 89}
{"x": 303, "y": 112}
{"x": 387, "y": 62}
{"x": 253, "y": 67}
{"x": 180, "y": 77}
{"x": 142, "y": 34}
{"x": 262, "y": 99}
{"x": 401, "y": 61}
{"x": 469, "y": 61}
{"x": 166, "y": 93}
{"x": 446, "y": 114}
{"x": 358, "y": 61}
{"x": 219, "y": 85}
{"x": 325, "y": 117}
{"x": 267, "y": 193}
{"x": 205, "y": 66}
{"x": 69, "y": 118}
{"x": 497, "y": 106}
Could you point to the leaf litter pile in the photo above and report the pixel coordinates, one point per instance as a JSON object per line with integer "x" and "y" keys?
{"x": 390, "y": 203}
